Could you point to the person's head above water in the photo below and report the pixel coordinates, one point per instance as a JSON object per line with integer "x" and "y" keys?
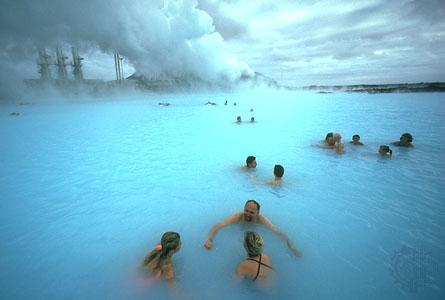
{"x": 251, "y": 210}
{"x": 406, "y": 139}
{"x": 251, "y": 162}
{"x": 385, "y": 150}
{"x": 252, "y": 119}
{"x": 159, "y": 257}
{"x": 337, "y": 137}
{"x": 356, "y": 140}
{"x": 238, "y": 119}
{"x": 278, "y": 171}
{"x": 253, "y": 243}
{"x": 329, "y": 139}
{"x": 170, "y": 241}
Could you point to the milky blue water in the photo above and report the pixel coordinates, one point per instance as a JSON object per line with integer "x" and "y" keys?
{"x": 88, "y": 187}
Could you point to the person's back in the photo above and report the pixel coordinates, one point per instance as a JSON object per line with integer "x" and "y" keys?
{"x": 158, "y": 261}
{"x": 257, "y": 266}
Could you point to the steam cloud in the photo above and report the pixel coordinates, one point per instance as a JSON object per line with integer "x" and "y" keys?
{"x": 171, "y": 37}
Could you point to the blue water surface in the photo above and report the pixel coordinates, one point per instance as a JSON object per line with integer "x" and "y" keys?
{"x": 88, "y": 186}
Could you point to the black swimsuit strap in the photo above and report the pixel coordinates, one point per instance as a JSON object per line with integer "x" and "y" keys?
{"x": 263, "y": 264}
{"x": 258, "y": 272}
{"x": 259, "y": 266}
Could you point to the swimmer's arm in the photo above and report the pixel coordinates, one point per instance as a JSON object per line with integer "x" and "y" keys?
{"x": 339, "y": 148}
{"x": 322, "y": 144}
{"x": 268, "y": 182}
{"x": 169, "y": 276}
{"x": 266, "y": 222}
{"x": 232, "y": 219}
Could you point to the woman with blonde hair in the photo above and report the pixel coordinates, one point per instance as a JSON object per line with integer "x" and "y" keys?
{"x": 159, "y": 260}
{"x": 257, "y": 264}
{"x": 338, "y": 146}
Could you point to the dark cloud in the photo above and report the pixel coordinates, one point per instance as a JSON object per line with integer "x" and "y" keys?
{"x": 344, "y": 39}
{"x": 377, "y": 39}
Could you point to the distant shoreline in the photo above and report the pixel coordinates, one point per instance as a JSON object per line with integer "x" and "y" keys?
{"x": 377, "y": 88}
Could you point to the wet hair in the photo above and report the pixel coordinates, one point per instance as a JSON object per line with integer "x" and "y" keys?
{"x": 159, "y": 258}
{"x": 329, "y": 135}
{"x": 278, "y": 171}
{"x": 253, "y": 243}
{"x": 337, "y": 137}
{"x": 252, "y": 119}
{"x": 408, "y": 136}
{"x": 386, "y": 149}
{"x": 250, "y": 159}
{"x": 238, "y": 118}
{"x": 356, "y": 135}
{"x": 256, "y": 203}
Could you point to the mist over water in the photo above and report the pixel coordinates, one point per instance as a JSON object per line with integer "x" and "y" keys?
{"x": 89, "y": 185}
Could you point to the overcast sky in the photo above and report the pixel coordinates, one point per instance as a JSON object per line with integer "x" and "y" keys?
{"x": 295, "y": 42}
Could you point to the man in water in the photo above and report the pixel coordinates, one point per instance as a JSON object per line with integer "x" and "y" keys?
{"x": 251, "y": 162}
{"x": 328, "y": 142}
{"x": 251, "y": 214}
{"x": 278, "y": 172}
{"x": 356, "y": 140}
{"x": 405, "y": 140}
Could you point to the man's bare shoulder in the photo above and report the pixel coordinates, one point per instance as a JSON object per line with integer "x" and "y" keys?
{"x": 234, "y": 218}
{"x": 262, "y": 219}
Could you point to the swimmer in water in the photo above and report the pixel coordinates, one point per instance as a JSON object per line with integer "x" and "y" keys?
{"x": 405, "y": 140}
{"x": 356, "y": 140}
{"x": 250, "y": 163}
{"x": 250, "y": 215}
{"x": 159, "y": 260}
{"x": 257, "y": 265}
{"x": 338, "y": 145}
{"x": 328, "y": 141}
{"x": 278, "y": 172}
{"x": 384, "y": 150}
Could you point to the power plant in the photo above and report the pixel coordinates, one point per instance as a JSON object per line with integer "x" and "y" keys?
{"x": 76, "y": 83}
{"x": 53, "y": 73}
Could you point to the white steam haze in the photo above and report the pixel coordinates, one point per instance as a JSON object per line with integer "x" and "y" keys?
{"x": 155, "y": 37}
{"x": 297, "y": 43}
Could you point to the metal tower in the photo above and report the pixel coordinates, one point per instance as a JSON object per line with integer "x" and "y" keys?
{"x": 118, "y": 66}
{"x": 60, "y": 63}
{"x": 44, "y": 70}
{"x": 77, "y": 64}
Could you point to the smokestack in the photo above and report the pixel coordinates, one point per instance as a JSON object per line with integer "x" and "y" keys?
{"x": 44, "y": 70}
{"x": 122, "y": 68}
{"x": 117, "y": 64}
{"x": 77, "y": 64}
{"x": 60, "y": 63}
